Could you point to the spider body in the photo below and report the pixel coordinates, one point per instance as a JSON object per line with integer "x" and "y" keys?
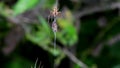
{"x": 52, "y": 18}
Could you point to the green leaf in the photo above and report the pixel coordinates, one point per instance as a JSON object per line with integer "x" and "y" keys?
{"x": 24, "y": 5}
{"x": 68, "y": 35}
{"x": 48, "y": 3}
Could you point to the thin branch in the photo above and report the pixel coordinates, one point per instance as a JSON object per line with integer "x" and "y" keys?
{"x": 73, "y": 58}
{"x": 95, "y": 9}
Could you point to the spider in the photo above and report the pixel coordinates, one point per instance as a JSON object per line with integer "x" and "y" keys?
{"x": 52, "y": 18}
{"x": 55, "y": 12}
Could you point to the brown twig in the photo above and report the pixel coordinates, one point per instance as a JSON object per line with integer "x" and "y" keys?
{"x": 73, "y": 58}
{"x": 95, "y": 9}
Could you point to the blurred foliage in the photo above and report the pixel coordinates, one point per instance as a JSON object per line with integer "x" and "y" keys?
{"x": 95, "y": 40}
{"x": 23, "y": 5}
{"x": 68, "y": 34}
{"x": 19, "y": 62}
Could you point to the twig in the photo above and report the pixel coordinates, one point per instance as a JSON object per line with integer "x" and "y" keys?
{"x": 91, "y": 10}
{"x": 73, "y": 58}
